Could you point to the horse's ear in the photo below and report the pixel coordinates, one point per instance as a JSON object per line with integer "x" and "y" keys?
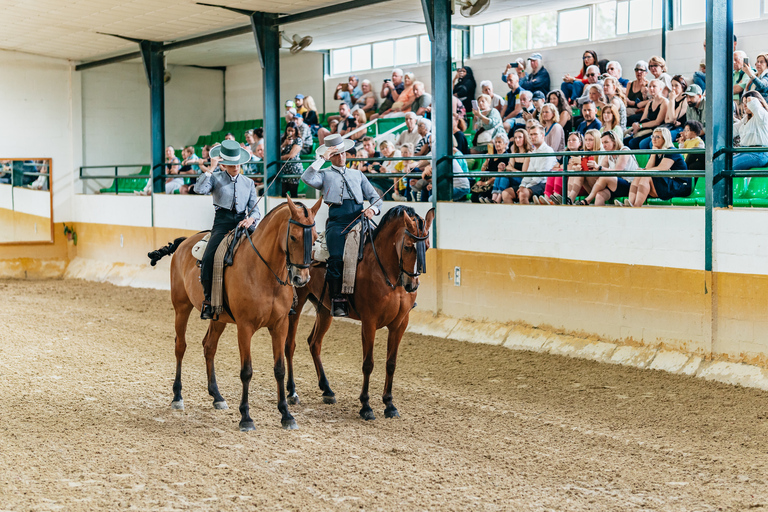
{"x": 410, "y": 224}
{"x": 291, "y": 206}
{"x": 317, "y": 206}
{"x": 428, "y": 219}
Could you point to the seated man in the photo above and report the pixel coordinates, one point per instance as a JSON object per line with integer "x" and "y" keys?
{"x": 513, "y": 107}
{"x": 188, "y": 166}
{"x": 305, "y": 132}
{"x": 524, "y": 114}
{"x": 410, "y": 135}
{"x": 590, "y": 122}
{"x": 346, "y": 123}
{"x": 497, "y": 102}
{"x": 391, "y": 89}
{"x": 423, "y": 102}
{"x": 349, "y": 93}
{"x": 529, "y": 186}
{"x": 538, "y": 78}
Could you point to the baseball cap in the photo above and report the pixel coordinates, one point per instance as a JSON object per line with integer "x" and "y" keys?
{"x": 299, "y": 96}
{"x": 537, "y": 95}
{"x": 289, "y": 104}
{"x": 298, "y": 116}
{"x": 535, "y": 56}
{"x": 693, "y": 90}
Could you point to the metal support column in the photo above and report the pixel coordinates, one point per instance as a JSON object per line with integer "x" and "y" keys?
{"x": 719, "y": 113}
{"x": 437, "y": 14}
{"x": 152, "y": 56}
{"x": 267, "y": 34}
{"x": 667, "y": 16}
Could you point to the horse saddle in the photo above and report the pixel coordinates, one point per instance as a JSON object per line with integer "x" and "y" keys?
{"x": 199, "y": 248}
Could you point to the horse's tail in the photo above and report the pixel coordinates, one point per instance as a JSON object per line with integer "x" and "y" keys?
{"x": 169, "y": 249}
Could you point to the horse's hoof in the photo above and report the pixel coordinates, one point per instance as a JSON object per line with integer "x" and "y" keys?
{"x": 294, "y": 399}
{"x": 178, "y": 405}
{"x": 247, "y": 426}
{"x": 329, "y": 399}
{"x": 367, "y": 414}
{"x": 290, "y": 424}
{"x": 391, "y": 412}
{"x": 220, "y": 405}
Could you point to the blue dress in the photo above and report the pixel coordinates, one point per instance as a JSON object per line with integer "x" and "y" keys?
{"x": 666, "y": 187}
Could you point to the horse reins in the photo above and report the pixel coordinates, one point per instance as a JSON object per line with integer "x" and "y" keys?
{"x": 421, "y": 250}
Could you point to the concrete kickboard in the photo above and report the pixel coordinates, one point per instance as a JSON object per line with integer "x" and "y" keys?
{"x": 477, "y": 332}
{"x": 736, "y": 374}
{"x": 639, "y": 357}
{"x": 536, "y": 341}
{"x": 427, "y": 324}
{"x": 669, "y": 361}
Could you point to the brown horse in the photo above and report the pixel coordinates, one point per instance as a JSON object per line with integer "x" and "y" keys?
{"x": 257, "y": 296}
{"x": 385, "y": 292}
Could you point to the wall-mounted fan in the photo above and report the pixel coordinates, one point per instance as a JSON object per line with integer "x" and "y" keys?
{"x": 298, "y": 43}
{"x": 469, "y": 8}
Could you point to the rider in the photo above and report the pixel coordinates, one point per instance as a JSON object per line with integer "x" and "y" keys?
{"x": 343, "y": 190}
{"x": 233, "y": 196}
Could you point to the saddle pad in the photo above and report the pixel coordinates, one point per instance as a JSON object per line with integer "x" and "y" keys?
{"x": 199, "y": 249}
{"x": 217, "y": 286}
{"x": 351, "y": 248}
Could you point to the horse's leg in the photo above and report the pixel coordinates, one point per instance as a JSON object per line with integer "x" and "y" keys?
{"x": 244, "y": 335}
{"x": 182, "y": 317}
{"x": 393, "y": 343}
{"x": 210, "y": 344}
{"x": 369, "y": 335}
{"x": 290, "y": 348}
{"x": 278, "y": 333}
{"x": 322, "y": 324}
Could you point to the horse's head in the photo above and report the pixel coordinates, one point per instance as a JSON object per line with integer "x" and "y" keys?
{"x": 413, "y": 250}
{"x": 298, "y": 242}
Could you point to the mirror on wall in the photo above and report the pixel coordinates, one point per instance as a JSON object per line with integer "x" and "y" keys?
{"x": 25, "y": 200}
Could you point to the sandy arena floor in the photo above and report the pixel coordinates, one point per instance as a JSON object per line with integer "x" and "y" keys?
{"x": 85, "y": 423}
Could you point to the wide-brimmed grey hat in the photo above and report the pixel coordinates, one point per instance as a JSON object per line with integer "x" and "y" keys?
{"x": 231, "y": 153}
{"x": 334, "y": 141}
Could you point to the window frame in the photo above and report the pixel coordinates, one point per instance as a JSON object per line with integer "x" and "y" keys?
{"x": 591, "y": 20}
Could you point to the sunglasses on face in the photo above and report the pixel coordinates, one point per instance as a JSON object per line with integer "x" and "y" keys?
{"x": 586, "y": 57}
{"x": 640, "y": 70}
{"x": 654, "y": 66}
{"x": 591, "y": 74}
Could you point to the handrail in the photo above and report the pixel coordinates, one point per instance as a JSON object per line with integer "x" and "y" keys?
{"x": 366, "y": 125}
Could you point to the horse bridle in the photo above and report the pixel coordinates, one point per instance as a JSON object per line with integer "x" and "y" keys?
{"x": 421, "y": 258}
{"x": 307, "y": 233}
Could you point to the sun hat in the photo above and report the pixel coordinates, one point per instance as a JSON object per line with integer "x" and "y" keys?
{"x": 230, "y": 153}
{"x": 336, "y": 142}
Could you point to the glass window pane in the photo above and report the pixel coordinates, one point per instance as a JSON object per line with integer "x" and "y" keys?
{"x": 455, "y": 44}
{"x": 622, "y": 18}
{"x": 425, "y": 49}
{"x": 746, "y": 10}
{"x": 505, "y": 35}
{"x": 640, "y": 15}
{"x": 520, "y": 34}
{"x": 491, "y": 38}
{"x": 693, "y": 11}
{"x": 384, "y": 54}
{"x": 405, "y": 51}
{"x": 657, "y": 13}
{"x": 477, "y": 42}
{"x": 573, "y": 25}
{"x": 341, "y": 61}
{"x": 361, "y": 57}
{"x": 605, "y": 20}
{"x": 544, "y": 30}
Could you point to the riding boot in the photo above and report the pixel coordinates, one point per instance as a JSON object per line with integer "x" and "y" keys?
{"x": 206, "y": 312}
{"x": 339, "y": 305}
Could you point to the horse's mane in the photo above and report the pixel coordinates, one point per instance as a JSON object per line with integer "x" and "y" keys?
{"x": 393, "y": 214}
{"x": 285, "y": 205}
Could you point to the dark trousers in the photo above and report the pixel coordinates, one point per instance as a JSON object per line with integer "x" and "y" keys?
{"x": 339, "y": 217}
{"x": 224, "y": 222}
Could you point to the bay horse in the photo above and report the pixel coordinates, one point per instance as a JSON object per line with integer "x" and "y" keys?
{"x": 256, "y": 296}
{"x": 385, "y": 293}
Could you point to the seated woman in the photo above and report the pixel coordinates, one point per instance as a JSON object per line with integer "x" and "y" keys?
{"x": 310, "y": 116}
{"x": 577, "y": 184}
{"x": 609, "y": 116}
{"x": 607, "y": 188}
{"x": 500, "y": 143}
{"x": 758, "y": 81}
{"x": 654, "y": 115}
{"x": 489, "y": 120}
{"x": 753, "y": 131}
{"x": 290, "y": 150}
{"x": 658, "y": 68}
{"x": 637, "y": 93}
{"x": 553, "y": 190}
{"x": 614, "y": 95}
{"x": 521, "y": 144}
{"x": 360, "y": 120}
{"x": 497, "y": 102}
{"x": 367, "y": 102}
{"x": 557, "y": 98}
{"x": 676, "y": 110}
{"x": 572, "y": 86}
{"x": 554, "y": 135}
{"x": 661, "y": 187}
{"x": 595, "y": 93}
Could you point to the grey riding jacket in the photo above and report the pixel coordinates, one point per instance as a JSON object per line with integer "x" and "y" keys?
{"x": 237, "y": 194}
{"x": 331, "y": 182}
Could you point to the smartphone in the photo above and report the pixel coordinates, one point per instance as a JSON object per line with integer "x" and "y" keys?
{"x": 475, "y": 106}
{"x": 746, "y": 61}
{"x": 514, "y": 64}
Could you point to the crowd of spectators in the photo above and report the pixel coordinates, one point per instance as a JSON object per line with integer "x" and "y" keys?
{"x": 595, "y": 110}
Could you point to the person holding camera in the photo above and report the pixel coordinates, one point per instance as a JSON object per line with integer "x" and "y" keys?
{"x": 538, "y": 78}
{"x": 349, "y": 92}
{"x": 391, "y": 89}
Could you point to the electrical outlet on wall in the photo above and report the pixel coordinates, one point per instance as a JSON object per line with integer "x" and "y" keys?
{"x": 456, "y": 276}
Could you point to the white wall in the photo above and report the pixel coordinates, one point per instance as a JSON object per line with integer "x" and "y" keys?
{"x": 39, "y": 107}
{"x": 116, "y": 111}
{"x": 300, "y": 73}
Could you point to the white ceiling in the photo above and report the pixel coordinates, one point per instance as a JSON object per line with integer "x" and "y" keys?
{"x": 69, "y": 29}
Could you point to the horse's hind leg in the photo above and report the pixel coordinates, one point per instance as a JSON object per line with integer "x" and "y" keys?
{"x": 182, "y": 317}
{"x": 393, "y": 343}
{"x": 210, "y": 344}
{"x": 322, "y": 324}
{"x": 290, "y": 348}
{"x": 369, "y": 336}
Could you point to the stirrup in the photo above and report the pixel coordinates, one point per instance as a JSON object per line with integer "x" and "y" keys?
{"x": 339, "y": 307}
{"x": 206, "y": 313}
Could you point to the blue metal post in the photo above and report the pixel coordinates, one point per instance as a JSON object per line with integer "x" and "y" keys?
{"x": 667, "y": 10}
{"x": 267, "y": 35}
{"x": 152, "y": 56}
{"x": 437, "y": 14}
{"x": 719, "y": 113}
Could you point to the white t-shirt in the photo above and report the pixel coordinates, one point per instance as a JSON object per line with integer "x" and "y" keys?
{"x": 539, "y": 164}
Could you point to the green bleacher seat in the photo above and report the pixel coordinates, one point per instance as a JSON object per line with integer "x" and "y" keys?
{"x": 129, "y": 185}
{"x": 642, "y": 160}
{"x": 697, "y": 193}
{"x": 756, "y": 194}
